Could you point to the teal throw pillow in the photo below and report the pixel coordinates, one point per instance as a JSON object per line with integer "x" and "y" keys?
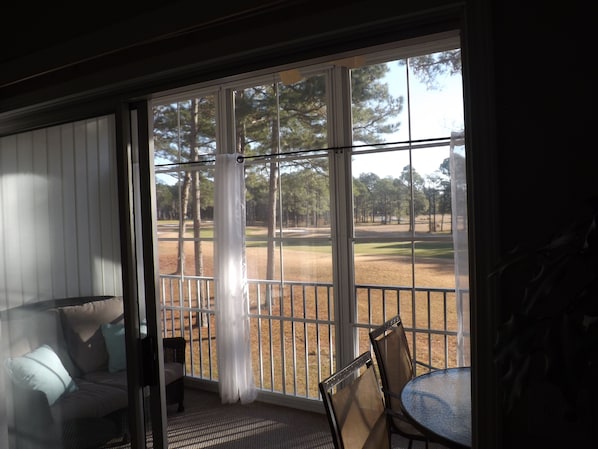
{"x": 41, "y": 370}
{"x": 114, "y": 337}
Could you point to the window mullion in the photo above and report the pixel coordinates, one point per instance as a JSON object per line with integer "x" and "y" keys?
{"x": 340, "y": 135}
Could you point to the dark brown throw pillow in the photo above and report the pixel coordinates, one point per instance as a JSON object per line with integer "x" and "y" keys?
{"x": 82, "y": 326}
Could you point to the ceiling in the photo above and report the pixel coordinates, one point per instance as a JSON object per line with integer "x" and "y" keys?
{"x": 33, "y": 29}
{"x": 52, "y": 51}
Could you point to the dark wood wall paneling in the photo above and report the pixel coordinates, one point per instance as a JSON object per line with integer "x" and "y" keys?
{"x": 545, "y": 87}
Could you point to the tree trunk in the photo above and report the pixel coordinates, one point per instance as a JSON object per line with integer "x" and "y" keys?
{"x": 180, "y": 266}
{"x": 197, "y": 246}
{"x": 272, "y": 195}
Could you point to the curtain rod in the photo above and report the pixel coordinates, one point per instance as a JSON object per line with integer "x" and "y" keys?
{"x": 415, "y": 144}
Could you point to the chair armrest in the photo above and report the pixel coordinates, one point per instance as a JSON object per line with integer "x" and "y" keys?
{"x": 392, "y": 394}
{"x": 174, "y": 349}
{"x": 426, "y": 365}
{"x": 389, "y": 410}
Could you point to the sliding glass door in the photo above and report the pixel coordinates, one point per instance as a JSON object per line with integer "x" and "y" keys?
{"x": 75, "y": 300}
{"x": 60, "y": 245}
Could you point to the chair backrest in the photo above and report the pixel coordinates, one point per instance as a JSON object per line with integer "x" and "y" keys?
{"x": 393, "y": 357}
{"x": 355, "y": 406}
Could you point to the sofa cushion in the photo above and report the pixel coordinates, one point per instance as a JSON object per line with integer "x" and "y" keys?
{"x": 41, "y": 370}
{"x": 82, "y": 328}
{"x": 91, "y": 400}
{"x": 117, "y": 379}
{"x": 172, "y": 371}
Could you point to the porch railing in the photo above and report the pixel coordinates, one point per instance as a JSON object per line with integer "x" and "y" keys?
{"x": 293, "y": 329}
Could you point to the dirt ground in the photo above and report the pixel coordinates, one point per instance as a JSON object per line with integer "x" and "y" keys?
{"x": 382, "y": 269}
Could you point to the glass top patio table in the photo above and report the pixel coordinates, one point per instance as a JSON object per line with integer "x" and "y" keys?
{"x": 439, "y": 403}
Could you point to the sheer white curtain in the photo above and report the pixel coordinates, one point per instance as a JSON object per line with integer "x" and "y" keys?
{"x": 235, "y": 374}
{"x": 459, "y": 209}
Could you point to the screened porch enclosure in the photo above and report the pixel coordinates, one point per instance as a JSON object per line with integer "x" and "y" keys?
{"x": 353, "y": 204}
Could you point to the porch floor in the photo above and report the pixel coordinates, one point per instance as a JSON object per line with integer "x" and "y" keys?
{"x": 207, "y": 423}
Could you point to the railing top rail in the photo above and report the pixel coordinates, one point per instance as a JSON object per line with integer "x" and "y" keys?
{"x": 318, "y": 284}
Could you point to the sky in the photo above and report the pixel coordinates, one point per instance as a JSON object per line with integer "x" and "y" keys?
{"x": 434, "y": 114}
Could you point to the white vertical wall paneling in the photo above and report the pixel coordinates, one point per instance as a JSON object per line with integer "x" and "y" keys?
{"x": 115, "y": 218}
{"x": 4, "y": 222}
{"x": 56, "y": 219}
{"x": 103, "y": 210}
{"x": 105, "y": 265}
{"x": 83, "y": 235}
{"x": 106, "y": 206}
{"x": 112, "y": 272}
{"x": 25, "y": 217}
{"x": 69, "y": 210}
{"x": 112, "y": 268}
{"x": 11, "y": 237}
{"x": 3, "y": 286}
{"x": 42, "y": 214}
{"x": 59, "y": 213}
{"x": 93, "y": 202}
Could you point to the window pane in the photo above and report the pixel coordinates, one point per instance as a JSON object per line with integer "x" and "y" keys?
{"x": 185, "y": 131}
{"x": 381, "y": 194}
{"x": 300, "y": 246}
{"x": 405, "y": 113}
{"x": 185, "y": 211}
{"x": 435, "y": 95}
{"x": 281, "y": 117}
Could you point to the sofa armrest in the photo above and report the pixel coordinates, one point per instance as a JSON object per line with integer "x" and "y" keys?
{"x": 174, "y": 349}
{"x": 31, "y": 420}
{"x": 31, "y": 407}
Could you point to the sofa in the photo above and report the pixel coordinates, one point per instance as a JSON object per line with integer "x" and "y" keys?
{"x": 65, "y": 368}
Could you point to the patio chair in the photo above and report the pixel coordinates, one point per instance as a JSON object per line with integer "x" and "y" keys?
{"x": 395, "y": 364}
{"x": 355, "y": 406}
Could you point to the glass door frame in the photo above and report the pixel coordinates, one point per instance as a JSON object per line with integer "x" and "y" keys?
{"x": 134, "y": 177}
{"x": 136, "y": 210}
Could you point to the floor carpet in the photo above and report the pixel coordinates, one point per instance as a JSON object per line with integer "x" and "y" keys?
{"x": 207, "y": 423}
